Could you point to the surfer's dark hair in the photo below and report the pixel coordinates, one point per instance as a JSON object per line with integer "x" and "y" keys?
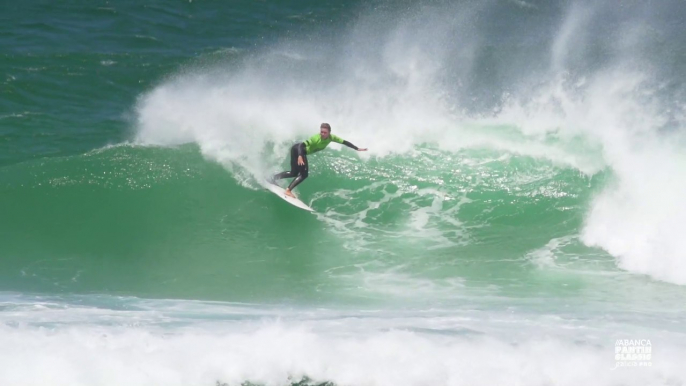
{"x": 325, "y": 126}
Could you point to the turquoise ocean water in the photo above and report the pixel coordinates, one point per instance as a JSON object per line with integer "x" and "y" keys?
{"x": 519, "y": 211}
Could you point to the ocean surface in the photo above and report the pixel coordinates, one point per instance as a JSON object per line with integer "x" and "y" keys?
{"x": 518, "y": 219}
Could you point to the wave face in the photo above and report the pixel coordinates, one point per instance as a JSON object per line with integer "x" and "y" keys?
{"x": 578, "y": 91}
{"x": 521, "y": 203}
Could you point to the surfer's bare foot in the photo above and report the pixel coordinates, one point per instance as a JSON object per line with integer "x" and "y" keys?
{"x": 290, "y": 194}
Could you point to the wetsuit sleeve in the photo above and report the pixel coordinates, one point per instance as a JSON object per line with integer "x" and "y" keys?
{"x": 342, "y": 141}
{"x": 350, "y": 145}
{"x": 301, "y": 149}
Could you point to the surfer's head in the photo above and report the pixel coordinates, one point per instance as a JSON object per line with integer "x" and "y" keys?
{"x": 325, "y": 130}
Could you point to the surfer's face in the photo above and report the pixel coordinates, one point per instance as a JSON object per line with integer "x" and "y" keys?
{"x": 324, "y": 132}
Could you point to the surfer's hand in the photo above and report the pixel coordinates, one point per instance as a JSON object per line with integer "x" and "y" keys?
{"x": 300, "y": 160}
{"x": 365, "y": 149}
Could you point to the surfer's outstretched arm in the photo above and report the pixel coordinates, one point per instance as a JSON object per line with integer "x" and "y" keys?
{"x": 346, "y": 143}
{"x": 350, "y": 145}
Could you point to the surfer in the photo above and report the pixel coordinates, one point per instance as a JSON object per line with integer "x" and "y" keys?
{"x": 299, "y": 153}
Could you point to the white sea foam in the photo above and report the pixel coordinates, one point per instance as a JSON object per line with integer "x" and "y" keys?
{"x": 186, "y": 342}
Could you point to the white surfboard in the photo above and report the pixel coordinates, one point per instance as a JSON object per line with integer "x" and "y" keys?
{"x": 281, "y": 192}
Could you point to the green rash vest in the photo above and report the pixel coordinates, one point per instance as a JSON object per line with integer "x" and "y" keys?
{"x": 316, "y": 143}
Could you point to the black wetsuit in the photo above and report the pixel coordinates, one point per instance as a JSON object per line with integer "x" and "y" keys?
{"x": 300, "y": 150}
{"x": 298, "y": 171}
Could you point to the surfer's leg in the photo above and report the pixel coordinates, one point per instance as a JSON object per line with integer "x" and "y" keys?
{"x": 286, "y": 174}
{"x": 294, "y": 166}
{"x": 302, "y": 174}
{"x": 300, "y": 178}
